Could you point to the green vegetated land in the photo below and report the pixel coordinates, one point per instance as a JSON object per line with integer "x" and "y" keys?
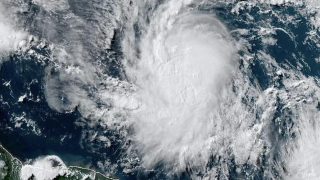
{"x": 10, "y": 168}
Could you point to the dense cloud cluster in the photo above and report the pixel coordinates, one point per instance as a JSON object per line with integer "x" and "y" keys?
{"x": 174, "y": 85}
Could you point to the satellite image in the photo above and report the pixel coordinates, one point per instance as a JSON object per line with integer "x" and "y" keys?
{"x": 160, "y": 89}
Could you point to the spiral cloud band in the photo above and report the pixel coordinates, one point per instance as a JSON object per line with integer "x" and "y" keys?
{"x": 183, "y": 77}
{"x": 170, "y": 89}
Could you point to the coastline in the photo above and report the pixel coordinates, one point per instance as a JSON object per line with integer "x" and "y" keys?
{"x": 76, "y": 170}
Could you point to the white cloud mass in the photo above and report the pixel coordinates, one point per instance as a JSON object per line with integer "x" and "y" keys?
{"x": 10, "y": 36}
{"x": 44, "y": 168}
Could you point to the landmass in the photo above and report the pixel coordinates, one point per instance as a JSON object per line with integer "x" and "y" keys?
{"x": 11, "y": 167}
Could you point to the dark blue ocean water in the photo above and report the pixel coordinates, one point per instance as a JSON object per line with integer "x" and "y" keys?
{"x": 61, "y": 133}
